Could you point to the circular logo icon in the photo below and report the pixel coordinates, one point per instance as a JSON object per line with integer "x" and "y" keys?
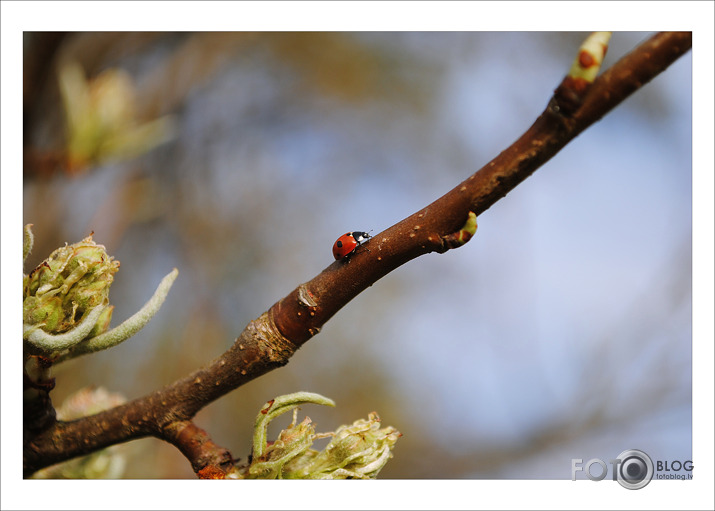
{"x": 635, "y": 469}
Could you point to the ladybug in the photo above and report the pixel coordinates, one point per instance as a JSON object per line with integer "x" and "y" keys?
{"x": 348, "y": 242}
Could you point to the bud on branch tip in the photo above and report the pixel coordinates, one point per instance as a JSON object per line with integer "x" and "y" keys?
{"x": 590, "y": 56}
{"x": 569, "y": 95}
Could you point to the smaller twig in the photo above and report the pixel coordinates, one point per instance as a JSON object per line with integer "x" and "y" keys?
{"x": 209, "y": 460}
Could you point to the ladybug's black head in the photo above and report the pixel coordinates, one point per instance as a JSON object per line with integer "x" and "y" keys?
{"x": 361, "y": 236}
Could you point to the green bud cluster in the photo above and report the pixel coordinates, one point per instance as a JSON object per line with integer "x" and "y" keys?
{"x": 356, "y": 451}
{"x": 292, "y": 442}
{"x": 72, "y": 281}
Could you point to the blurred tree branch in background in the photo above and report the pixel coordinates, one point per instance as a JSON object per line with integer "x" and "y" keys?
{"x": 347, "y": 70}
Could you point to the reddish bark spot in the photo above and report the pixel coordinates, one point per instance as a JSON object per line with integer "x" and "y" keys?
{"x": 268, "y": 406}
{"x": 586, "y": 59}
{"x": 211, "y": 472}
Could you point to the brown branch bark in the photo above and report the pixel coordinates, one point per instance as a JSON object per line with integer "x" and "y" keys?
{"x": 424, "y": 231}
{"x": 269, "y": 341}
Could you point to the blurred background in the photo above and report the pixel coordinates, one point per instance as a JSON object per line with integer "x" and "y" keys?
{"x": 562, "y": 330}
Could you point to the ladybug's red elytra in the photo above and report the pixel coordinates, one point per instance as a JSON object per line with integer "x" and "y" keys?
{"x": 348, "y": 242}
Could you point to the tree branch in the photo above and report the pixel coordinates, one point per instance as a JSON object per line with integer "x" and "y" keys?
{"x": 424, "y": 231}
{"x": 270, "y": 340}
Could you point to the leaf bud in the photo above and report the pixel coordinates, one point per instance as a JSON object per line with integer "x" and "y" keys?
{"x": 73, "y": 280}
